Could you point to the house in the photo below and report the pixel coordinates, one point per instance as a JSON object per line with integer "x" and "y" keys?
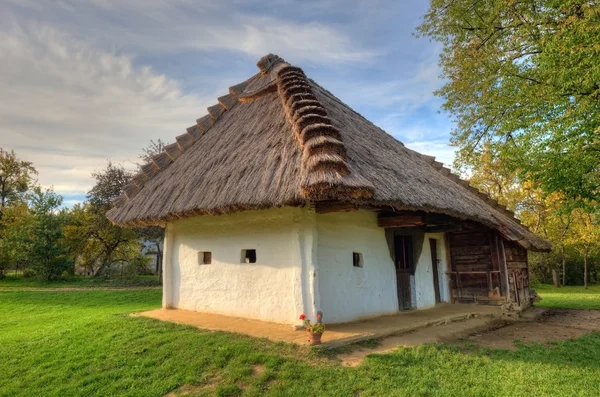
{"x": 282, "y": 200}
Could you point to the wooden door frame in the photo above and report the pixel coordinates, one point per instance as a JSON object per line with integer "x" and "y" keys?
{"x": 433, "y": 244}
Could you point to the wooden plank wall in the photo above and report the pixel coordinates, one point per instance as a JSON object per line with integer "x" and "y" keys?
{"x": 516, "y": 256}
{"x": 470, "y": 251}
{"x": 474, "y": 270}
{"x": 518, "y": 273}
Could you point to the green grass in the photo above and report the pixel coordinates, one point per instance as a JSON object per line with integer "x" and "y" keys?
{"x": 569, "y": 297}
{"x": 20, "y": 282}
{"x": 84, "y": 343}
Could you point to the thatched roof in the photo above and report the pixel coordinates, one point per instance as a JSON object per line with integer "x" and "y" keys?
{"x": 280, "y": 139}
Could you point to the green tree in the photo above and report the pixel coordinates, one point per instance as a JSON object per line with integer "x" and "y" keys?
{"x": 47, "y": 254}
{"x": 15, "y": 237}
{"x": 97, "y": 243}
{"x": 585, "y": 237}
{"x": 523, "y": 77}
{"x": 16, "y": 178}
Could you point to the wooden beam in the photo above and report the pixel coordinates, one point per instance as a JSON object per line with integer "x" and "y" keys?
{"x": 449, "y": 266}
{"x": 325, "y": 207}
{"x": 443, "y": 228}
{"x": 400, "y": 221}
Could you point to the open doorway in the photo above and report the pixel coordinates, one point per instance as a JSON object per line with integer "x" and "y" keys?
{"x": 403, "y": 247}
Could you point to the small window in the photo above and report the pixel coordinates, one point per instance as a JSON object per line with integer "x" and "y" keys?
{"x": 205, "y": 257}
{"x": 357, "y": 260}
{"x": 248, "y": 256}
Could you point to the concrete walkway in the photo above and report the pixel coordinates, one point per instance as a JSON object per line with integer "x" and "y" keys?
{"x": 335, "y": 334}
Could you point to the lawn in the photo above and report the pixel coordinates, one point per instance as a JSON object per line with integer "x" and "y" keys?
{"x": 84, "y": 343}
{"x": 569, "y": 297}
{"x": 12, "y": 281}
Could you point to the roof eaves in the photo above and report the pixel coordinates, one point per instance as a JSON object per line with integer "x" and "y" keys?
{"x": 509, "y": 232}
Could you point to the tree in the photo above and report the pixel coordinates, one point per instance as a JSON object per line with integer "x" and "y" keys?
{"x": 585, "y": 237}
{"x": 153, "y": 148}
{"x": 522, "y": 77}
{"x": 15, "y": 237}
{"x": 557, "y": 226}
{"x": 47, "y": 254}
{"x": 98, "y": 243}
{"x": 16, "y": 178}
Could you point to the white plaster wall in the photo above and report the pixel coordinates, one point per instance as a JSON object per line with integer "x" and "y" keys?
{"x": 267, "y": 290}
{"x": 425, "y": 294}
{"x": 346, "y": 292}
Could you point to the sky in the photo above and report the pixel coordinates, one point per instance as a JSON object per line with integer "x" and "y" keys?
{"x": 85, "y": 82}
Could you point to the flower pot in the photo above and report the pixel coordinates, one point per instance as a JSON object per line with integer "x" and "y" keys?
{"x": 315, "y": 338}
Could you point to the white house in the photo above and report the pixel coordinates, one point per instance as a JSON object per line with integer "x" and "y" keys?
{"x": 283, "y": 200}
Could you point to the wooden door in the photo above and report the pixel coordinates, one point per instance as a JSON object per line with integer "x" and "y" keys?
{"x": 434, "y": 267}
{"x": 403, "y": 255}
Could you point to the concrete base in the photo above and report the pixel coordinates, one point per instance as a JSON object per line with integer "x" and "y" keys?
{"x": 409, "y": 321}
{"x": 337, "y": 334}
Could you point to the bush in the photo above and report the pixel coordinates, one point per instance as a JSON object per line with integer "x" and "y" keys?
{"x": 28, "y": 273}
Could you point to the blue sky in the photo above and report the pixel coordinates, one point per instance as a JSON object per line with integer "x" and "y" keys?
{"x": 84, "y": 82}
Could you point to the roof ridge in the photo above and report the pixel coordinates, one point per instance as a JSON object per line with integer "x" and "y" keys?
{"x": 325, "y": 170}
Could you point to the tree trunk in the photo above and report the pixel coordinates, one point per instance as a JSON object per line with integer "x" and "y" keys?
{"x": 585, "y": 268}
{"x": 564, "y": 266}
{"x": 555, "y": 280}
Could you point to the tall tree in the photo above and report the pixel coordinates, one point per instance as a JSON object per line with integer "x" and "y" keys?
{"x": 523, "y": 78}
{"x": 15, "y": 237}
{"x": 16, "y": 178}
{"x": 47, "y": 253}
{"x": 99, "y": 243}
{"x": 585, "y": 237}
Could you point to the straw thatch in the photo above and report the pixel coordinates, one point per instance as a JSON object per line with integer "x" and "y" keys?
{"x": 280, "y": 139}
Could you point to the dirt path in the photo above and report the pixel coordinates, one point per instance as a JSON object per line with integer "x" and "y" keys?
{"x": 59, "y": 289}
{"x": 553, "y": 325}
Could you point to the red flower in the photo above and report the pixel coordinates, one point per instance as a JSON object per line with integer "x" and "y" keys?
{"x": 319, "y": 315}
{"x": 302, "y": 317}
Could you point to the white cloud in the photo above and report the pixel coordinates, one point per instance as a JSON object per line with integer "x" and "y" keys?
{"x": 69, "y": 107}
{"x": 167, "y": 27}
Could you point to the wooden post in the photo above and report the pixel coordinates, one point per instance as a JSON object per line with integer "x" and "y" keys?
{"x": 458, "y": 284}
{"x": 516, "y": 288}
{"x": 503, "y": 268}
{"x": 449, "y": 267}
